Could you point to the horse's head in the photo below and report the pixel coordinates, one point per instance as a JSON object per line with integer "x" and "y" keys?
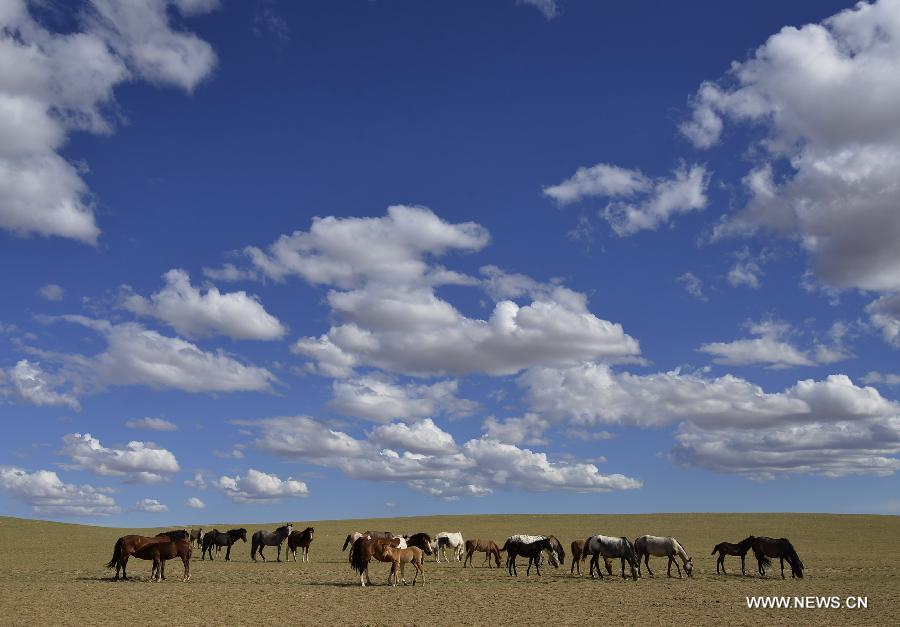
{"x": 689, "y": 567}
{"x": 290, "y": 528}
{"x": 242, "y": 534}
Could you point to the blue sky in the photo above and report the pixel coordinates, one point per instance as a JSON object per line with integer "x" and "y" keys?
{"x": 451, "y": 257}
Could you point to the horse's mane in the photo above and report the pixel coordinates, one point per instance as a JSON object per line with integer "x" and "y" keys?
{"x": 235, "y": 533}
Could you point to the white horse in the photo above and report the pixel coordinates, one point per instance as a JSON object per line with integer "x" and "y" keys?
{"x": 528, "y": 539}
{"x": 659, "y": 546}
{"x": 609, "y": 546}
{"x": 451, "y": 539}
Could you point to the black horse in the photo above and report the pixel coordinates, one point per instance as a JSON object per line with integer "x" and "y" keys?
{"x": 180, "y": 534}
{"x": 262, "y": 539}
{"x": 420, "y": 540}
{"x": 764, "y": 548}
{"x": 217, "y": 538}
{"x": 727, "y": 548}
{"x": 531, "y": 550}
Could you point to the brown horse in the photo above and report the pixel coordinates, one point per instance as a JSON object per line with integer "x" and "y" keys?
{"x": 197, "y": 536}
{"x": 163, "y": 551}
{"x": 301, "y": 540}
{"x": 421, "y": 540}
{"x": 488, "y": 547}
{"x": 579, "y": 555}
{"x": 365, "y": 549}
{"x": 179, "y": 534}
{"x": 125, "y": 548}
{"x": 727, "y": 548}
{"x": 410, "y": 555}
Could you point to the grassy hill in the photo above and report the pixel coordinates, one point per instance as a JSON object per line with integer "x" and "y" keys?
{"x": 53, "y": 573}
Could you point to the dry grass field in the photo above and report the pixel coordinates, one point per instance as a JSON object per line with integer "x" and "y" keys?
{"x": 52, "y": 573}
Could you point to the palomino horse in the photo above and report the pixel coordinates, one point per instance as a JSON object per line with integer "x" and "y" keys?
{"x": 764, "y": 548}
{"x": 609, "y": 546}
{"x": 420, "y": 540}
{"x": 197, "y": 536}
{"x": 125, "y": 548}
{"x": 261, "y": 539}
{"x": 301, "y": 540}
{"x": 531, "y": 550}
{"x": 163, "y": 551}
{"x": 452, "y": 539}
{"x": 364, "y": 549}
{"x": 217, "y": 539}
{"x": 727, "y": 548}
{"x": 488, "y": 547}
{"x": 579, "y": 555}
{"x": 659, "y": 546}
{"x": 410, "y": 555}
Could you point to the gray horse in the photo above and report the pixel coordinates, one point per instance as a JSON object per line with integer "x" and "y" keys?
{"x": 609, "y": 546}
{"x": 262, "y": 539}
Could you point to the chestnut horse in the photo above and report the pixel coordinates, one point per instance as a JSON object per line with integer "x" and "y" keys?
{"x": 125, "y": 548}
{"x": 301, "y": 540}
{"x": 365, "y": 548}
{"x": 163, "y": 551}
{"x": 410, "y": 555}
{"x": 488, "y": 547}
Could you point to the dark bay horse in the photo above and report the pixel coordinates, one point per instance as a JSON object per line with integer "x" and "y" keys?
{"x": 531, "y": 550}
{"x": 179, "y": 534}
{"x": 301, "y": 540}
{"x": 420, "y": 541}
{"x": 764, "y": 548}
{"x": 261, "y": 539}
{"x": 488, "y": 547}
{"x": 727, "y": 548}
{"x": 163, "y": 551}
{"x": 125, "y": 548}
{"x": 217, "y": 539}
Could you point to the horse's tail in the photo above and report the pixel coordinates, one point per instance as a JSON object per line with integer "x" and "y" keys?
{"x": 117, "y": 554}
{"x": 717, "y": 548}
{"x": 505, "y": 546}
{"x": 794, "y": 559}
{"x": 254, "y": 544}
{"x": 357, "y": 561}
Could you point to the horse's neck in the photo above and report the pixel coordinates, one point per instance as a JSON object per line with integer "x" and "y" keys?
{"x": 681, "y": 552}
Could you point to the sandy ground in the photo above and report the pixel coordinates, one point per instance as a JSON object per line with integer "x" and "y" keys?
{"x": 52, "y": 573}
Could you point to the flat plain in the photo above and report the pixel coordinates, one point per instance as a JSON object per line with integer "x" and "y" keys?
{"x": 53, "y": 573}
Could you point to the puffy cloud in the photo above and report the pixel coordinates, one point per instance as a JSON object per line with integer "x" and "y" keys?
{"x": 548, "y": 8}
{"x": 138, "y": 356}
{"x": 52, "y": 292}
{"x": 884, "y": 314}
{"x": 196, "y": 314}
{"x": 529, "y": 428}
{"x": 150, "y": 505}
{"x": 878, "y": 377}
{"x": 47, "y": 494}
{"x": 826, "y": 174}
{"x": 651, "y": 202}
{"x": 35, "y": 386}
{"x": 54, "y": 83}
{"x": 141, "y": 461}
{"x": 194, "y": 503}
{"x": 153, "y": 424}
{"x": 727, "y": 424}
{"x": 257, "y": 487}
{"x": 381, "y": 400}
{"x": 426, "y": 458}
{"x": 199, "y": 481}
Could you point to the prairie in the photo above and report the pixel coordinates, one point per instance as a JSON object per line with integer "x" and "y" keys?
{"x": 53, "y": 573}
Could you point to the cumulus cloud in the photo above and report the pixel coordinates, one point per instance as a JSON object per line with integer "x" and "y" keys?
{"x": 641, "y": 202}
{"x": 45, "y": 492}
{"x": 428, "y": 460}
{"x": 56, "y": 83}
{"x": 830, "y": 427}
{"x": 194, "y": 503}
{"x": 196, "y": 314}
{"x": 381, "y": 400}
{"x": 142, "y": 462}
{"x": 879, "y": 377}
{"x": 152, "y": 424}
{"x": 199, "y": 481}
{"x": 150, "y": 505}
{"x": 33, "y": 385}
{"x": 826, "y": 171}
{"x": 257, "y": 487}
{"x": 529, "y": 429}
{"x": 52, "y": 292}
{"x": 884, "y": 314}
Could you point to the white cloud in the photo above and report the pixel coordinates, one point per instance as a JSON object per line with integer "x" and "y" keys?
{"x": 52, "y": 292}
{"x": 529, "y": 429}
{"x": 381, "y": 400}
{"x": 52, "y": 84}
{"x": 884, "y": 314}
{"x": 257, "y": 487}
{"x": 35, "y": 386}
{"x": 548, "y": 8}
{"x": 826, "y": 171}
{"x": 142, "y": 462}
{"x": 47, "y": 494}
{"x": 602, "y": 179}
{"x": 426, "y": 458}
{"x": 878, "y": 377}
{"x": 153, "y": 424}
{"x": 747, "y": 268}
{"x": 199, "y": 481}
{"x": 693, "y": 285}
{"x": 138, "y": 356}
{"x": 829, "y": 427}
{"x": 195, "y": 314}
{"x": 150, "y": 505}
{"x": 194, "y": 503}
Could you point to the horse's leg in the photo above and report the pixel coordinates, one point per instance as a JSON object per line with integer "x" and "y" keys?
{"x": 227, "y": 553}
{"x": 187, "y": 567}
{"x": 647, "y": 562}
{"x": 279, "y": 554}
{"x": 125, "y": 557}
{"x": 781, "y": 559}
{"x": 743, "y": 571}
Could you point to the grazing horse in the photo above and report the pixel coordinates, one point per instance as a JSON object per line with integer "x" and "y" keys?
{"x": 608, "y": 546}
{"x": 180, "y": 534}
{"x": 659, "y": 546}
{"x": 579, "y": 555}
{"x": 557, "y": 555}
{"x": 420, "y": 540}
{"x": 727, "y": 548}
{"x": 261, "y": 539}
{"x": 163, "y": 551}
{"x": 197, "y": 535}
{"x": 401, "y": 557}
{"x": 488, "y": 547}
{"x": 531, "y": 550}
{"x": 353, "y": 537}
{"x": 451, "y": 539}
{"x": 301, "y": 539}
{"x": 764, "y": 548}
{"x": 125, "y": 547}
{"x": 217, "y": 539}
{"x": 364, "y": 548}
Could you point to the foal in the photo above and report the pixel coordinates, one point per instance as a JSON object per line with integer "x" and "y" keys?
{"x": 727, "y": 548}
{"x": 488, "y": 547}
{"x": 401, "y": 557}
{"x": 301, "y": 540}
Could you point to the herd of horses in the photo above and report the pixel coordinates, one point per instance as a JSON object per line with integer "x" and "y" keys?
{"x": 400, "y": 550}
